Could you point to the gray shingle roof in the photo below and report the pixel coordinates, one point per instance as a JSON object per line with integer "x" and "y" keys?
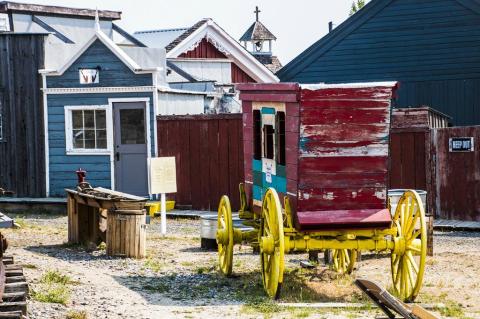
{"x": 257, "y": 31}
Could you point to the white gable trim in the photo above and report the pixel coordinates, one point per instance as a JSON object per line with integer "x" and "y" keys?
{"x": 225, "y": 43}
{"x": 115, "y": 49}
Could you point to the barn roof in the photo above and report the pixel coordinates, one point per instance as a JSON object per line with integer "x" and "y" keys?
{"x": 319, "y": 48}
{"x": 257, "y": 31}
{"x": 28, "y": 8}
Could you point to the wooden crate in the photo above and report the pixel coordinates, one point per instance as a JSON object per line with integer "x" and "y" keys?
{"x": 126, "y": 234}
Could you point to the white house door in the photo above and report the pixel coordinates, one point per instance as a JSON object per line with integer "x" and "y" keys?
{"x": 130, "y": 148}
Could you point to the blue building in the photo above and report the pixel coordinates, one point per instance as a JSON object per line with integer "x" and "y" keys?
{"x": 430, "y": 46}
{"x": 101, "y": 101}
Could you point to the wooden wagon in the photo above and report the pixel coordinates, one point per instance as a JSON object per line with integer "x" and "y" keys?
{"x": 316, "y": 168}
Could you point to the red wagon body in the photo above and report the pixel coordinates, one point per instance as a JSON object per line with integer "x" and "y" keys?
{"x": 323, "y": 146}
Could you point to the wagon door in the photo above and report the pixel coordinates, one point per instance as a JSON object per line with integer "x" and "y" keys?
{"x": 269, "y": 158}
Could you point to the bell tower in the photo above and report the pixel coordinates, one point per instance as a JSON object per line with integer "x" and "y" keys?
{"x": 258, "y": 39}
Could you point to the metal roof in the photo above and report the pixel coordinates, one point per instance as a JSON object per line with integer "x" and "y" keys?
{"x": 158, "y": 38}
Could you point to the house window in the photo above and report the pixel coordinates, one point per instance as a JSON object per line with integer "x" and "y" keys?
{"x": 268, "y": 147}
{"x": 257, "y": 135}
{"x": 280, "y": 125}
{"x": 86, "y": 129}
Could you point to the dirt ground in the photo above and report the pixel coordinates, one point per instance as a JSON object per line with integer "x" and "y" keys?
{"x": 179, "y": 280}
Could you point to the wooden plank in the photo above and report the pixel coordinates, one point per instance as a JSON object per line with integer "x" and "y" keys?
{"x": 213, "y": 181}
{"x": 335, "y": 219}
{"x": 233, "y": 163}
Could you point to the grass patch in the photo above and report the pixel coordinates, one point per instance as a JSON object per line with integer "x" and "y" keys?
{"x": 452, "y": 309}
{"x": 29, "y": 266}
{"x": 153, "y": 264}
{"x": 204, "y": 269}
{"x": 52, "y": 294}
{"x": 53, "y": 288}
{"x": 55, "y": 277}
{"x": 74, "y": 314}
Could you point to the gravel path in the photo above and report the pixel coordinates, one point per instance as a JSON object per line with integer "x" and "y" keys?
{"x": 177, "y": 279}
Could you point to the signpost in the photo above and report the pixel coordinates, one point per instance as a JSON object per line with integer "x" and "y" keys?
{"x": 162, "y": 181}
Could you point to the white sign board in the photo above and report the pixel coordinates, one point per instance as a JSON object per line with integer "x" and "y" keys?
{"x": 163, "y": 177}
{"x": 89, "y": 76}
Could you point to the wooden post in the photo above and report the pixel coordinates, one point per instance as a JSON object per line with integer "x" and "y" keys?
{"x": 430, "y": 235}
{"x": 73, "y": 236}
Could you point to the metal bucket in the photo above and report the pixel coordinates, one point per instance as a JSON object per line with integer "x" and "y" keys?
{"x": 208, "y": 229}
{"x": 395, "y": 194}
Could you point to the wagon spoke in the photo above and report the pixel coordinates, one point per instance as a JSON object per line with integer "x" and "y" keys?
{"x": 412, "y": 262}
{"x": 413, "y": 248}
{"x": 415, "y": 235}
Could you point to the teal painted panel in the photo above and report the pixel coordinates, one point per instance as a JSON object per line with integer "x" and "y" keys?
{"x": 281, "y": 171}
{"x": 257, "y": 178}
{"x": 268, "y": 110}
{"x": 279, "y": 183}
{"x": 257, "y": 165}
{"x": 257, "y": 192}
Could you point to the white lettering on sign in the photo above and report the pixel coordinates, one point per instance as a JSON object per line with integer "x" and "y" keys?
{"x": 163, "y": 176}
{"x": 461, "y": 144}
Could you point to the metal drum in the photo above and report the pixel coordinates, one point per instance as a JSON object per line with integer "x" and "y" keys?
{"x": 395, "y": 194}
{"x": 208, "y": 229}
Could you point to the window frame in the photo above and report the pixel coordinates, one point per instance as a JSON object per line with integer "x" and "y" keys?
{"x": 70, "y": 150}
{"x": 280, "y": 138}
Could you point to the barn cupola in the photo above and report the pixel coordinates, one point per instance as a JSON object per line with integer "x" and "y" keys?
{"x": 258, "y": 41}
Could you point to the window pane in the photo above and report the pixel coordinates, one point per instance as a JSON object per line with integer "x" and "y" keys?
{"x": 77, "y": 138}
{"x": 132, "y": 123}
{"x": 89, "y": 138}
{"x": 100, "y": 121}
{"x": 257, "y": 135}
{"x": 280, "y": 125}
{"x": 77, "y": 119}
{"x": 268, "y": 132}
{"x": 89, "y": 119}
{"x": 101, "y": 138}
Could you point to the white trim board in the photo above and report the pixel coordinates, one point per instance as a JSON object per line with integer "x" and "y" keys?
{"x": 46, "y": 137}
{"x": 226, "y": 44}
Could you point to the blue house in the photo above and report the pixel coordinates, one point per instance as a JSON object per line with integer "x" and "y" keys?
{"x": 100, "y": 106}
{"x": 430, "y": 46}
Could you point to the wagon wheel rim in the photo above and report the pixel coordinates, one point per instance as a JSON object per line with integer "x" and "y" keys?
{"x": 272, "y": 244}
{"x": 408, "y": 262}
{"x": 343, "y": 260}
{"x": 225, "y": 236}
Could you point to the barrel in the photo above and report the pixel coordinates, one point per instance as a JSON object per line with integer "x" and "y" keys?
{"x": 395, "y": 194}
{"x": 126, "y": 233}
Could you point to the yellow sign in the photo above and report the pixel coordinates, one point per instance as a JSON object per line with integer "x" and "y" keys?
{"x": 163, "y": 175}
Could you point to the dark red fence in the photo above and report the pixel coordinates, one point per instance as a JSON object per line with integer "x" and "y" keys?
{"x": 209, "y": 157}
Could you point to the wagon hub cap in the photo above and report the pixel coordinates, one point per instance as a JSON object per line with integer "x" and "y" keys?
{"x": 267, "y": 245}
{"x": 222, "y": 237}
{"x": 400, "y": 244}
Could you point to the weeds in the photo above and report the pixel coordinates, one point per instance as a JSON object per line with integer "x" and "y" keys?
{"x": 53, "y": 288}
{"x": 73, "y": 314}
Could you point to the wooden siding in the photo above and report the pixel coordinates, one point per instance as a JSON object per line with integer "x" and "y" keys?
{"x": 62, "y": 166}
{"x": 22, "y": 154}
{"x": 113, "y": 72}
{"x": 431, "y": 47}
{"x": 240, "y": 76}
{"x": 457, "y": 175}
{"x": 209, "y": 157}
{"x": 343, "y": 155}
{"x": 204, "y": 50}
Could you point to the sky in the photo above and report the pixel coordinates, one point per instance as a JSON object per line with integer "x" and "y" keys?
{"x": 296, "y": 24}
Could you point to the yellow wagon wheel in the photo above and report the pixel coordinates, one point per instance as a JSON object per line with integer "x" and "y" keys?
{"x": 343, "y": 260}
{"x": 272, "y": 244}
{"x": 225, "y": 236}
{"x": 408, "y": 257}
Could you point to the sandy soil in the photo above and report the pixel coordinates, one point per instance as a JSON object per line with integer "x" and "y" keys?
{"x": 179, "y": 280}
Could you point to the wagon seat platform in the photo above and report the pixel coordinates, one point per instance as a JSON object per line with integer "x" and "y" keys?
{"x": 336, "y": 141}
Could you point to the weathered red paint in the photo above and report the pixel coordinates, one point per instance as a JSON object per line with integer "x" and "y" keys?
{"x": 340, "y": 219}
{"x": 336, "y": 151}
{"x": 204, "y": 50}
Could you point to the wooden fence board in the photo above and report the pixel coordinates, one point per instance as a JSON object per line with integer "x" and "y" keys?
{"x": 209, "y": 157}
